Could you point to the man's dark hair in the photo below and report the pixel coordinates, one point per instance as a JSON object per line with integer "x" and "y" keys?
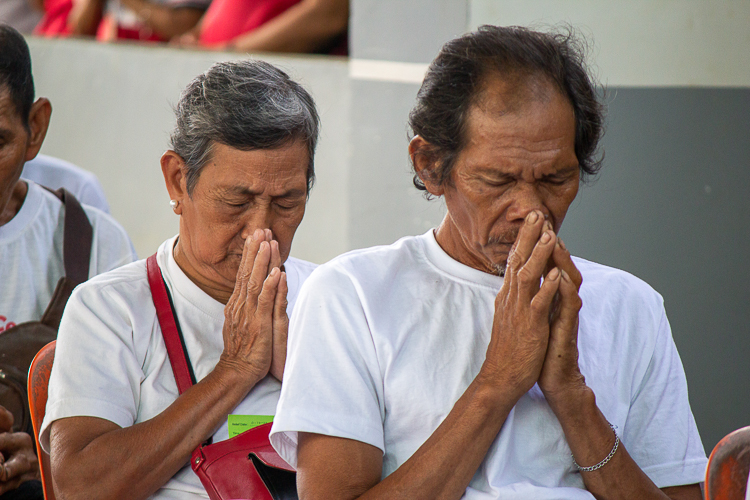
{"x": 245, "y": 105}
{"x": 15, "y": 71}
{"x": 456, "y": 78}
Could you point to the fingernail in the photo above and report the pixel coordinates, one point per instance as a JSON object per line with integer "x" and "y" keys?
{"x": 274, "y": 271}
{"x": 554, "y": 274}
{"x": 546, "y": 237}
{"x": 256, "y": 235}
{"x": 263, "y": 245}
{"x": 532, "y": 217}
{"x": 562, "y": 245}
{"x": 565, "y": 276}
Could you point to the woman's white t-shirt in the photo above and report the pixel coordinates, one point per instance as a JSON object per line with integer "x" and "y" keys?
{"x": 111, "y": 361}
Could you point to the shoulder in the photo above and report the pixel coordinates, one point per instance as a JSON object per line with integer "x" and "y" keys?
{"x": 375, "y": 263}
{"x": 301, "y": 268}
{"x": 617, "y": 297}
{"x": 128, "y": 282}
{"x": 109, "y": 238}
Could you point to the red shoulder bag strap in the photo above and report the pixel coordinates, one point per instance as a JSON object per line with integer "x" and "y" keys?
{"x": 170, "y": 330}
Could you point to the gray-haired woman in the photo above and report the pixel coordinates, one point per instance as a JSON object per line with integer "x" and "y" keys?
{"x": 238, "y": 175}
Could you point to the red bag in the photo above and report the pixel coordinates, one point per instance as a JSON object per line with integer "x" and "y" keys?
{"x": 243, "y": 467}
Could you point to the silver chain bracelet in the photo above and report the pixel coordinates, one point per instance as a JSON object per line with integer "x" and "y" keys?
{"x": 606, "y": 459}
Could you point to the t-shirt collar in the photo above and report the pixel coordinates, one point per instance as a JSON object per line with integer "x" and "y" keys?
{"x": 179, "y": 283}
{"x": 448, "y": 265}
{"x": 31, "y": 206}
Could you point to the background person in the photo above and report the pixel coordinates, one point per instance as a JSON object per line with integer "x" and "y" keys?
{"x": 31, "y": 229}
{"x": 442, "y": 367}
{"x": 272, "y": 26}
{"x": 238, "y": 175}
{"x": 56, "y": 173}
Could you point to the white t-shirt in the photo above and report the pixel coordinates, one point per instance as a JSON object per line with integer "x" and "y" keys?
{"x": 56, "y": 173}
{"x": 385, "y": 340}
{"x": 31, "y": 254}
{"x": 111, "y": 361}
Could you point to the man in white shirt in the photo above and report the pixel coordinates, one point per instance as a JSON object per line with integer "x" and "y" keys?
{"x": 31, "y": 230}
{"x": 480, "y": 360}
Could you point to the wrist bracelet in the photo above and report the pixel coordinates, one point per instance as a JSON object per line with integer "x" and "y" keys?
{"x": 606, "y": 459}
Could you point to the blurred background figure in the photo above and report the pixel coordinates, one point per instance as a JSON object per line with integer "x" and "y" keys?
{"x": 109, "y": 20}
{"x": 318, "y": 26}
{"x": 56, "y": 173}
{"x": 22, "y": 15}
{"x": 273, "y": 26}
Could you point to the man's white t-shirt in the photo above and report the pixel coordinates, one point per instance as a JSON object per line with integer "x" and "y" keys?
{"x": 31, "y": 254}
{"x": 111, "y": 361}
{"x": 56, "y": 173}
{"x": 385, "y": 340}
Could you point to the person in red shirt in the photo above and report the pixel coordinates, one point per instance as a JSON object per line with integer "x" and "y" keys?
{"x": 272, "y": 26}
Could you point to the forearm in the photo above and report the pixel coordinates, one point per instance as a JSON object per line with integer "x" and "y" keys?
{"x": 85, "y": 16}
{"x": 304, "y": 27}
{"x": 433, "y": 472}
{"x": 591, "y": 438}
{"x": 134, "y": 462}
{"x": 164, "y": 20}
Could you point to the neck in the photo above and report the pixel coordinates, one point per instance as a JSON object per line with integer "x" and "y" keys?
{"x": 13, "y": 201}
{"x": 452, "y": 243}
{"x": 211, "y": 289}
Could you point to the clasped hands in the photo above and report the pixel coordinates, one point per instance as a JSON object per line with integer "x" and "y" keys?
{"x": 255, "y": 319}
{"x": 535, "y": 327}
{"x": 18, "y": 462}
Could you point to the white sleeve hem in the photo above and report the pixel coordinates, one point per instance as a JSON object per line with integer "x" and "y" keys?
{"x": 691, "y": 471}
{"x": 82, "y": 407}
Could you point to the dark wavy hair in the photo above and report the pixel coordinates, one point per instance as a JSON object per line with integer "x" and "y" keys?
{"x": 456, "y": 78}
{"x": 15, "y": 71}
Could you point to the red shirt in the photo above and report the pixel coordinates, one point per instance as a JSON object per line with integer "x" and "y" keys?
{"x": 226, "y": 19}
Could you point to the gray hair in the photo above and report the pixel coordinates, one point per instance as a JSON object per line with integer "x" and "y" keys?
{"x": 245, "y": 105}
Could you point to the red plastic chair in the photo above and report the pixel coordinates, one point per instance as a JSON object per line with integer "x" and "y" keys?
{"x": 728, "y": 467}
{"x": 39, "y": 372}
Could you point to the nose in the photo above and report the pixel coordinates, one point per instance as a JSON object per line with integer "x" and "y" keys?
{"x": 525, "y": 198}
{"x": 260, "y": 216}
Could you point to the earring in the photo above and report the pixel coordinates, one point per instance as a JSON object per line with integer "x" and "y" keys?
{"x": 173, "y": 204}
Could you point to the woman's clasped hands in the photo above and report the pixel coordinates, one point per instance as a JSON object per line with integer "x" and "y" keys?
{"x": 256, "y": 322}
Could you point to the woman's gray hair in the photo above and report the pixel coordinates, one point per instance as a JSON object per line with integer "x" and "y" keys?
{"x": 245, "y": 105}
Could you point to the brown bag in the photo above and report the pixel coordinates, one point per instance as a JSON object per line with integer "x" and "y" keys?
{"x": 19, "y": 344}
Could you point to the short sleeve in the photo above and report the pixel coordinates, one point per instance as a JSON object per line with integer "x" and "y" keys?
{"x": 332, "y": 381}
{"x": 96, "y": 372}
{"x": 111, "y": 247}
{"x": 660, "y": 433}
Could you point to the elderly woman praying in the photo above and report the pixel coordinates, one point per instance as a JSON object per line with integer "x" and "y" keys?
{"x": 238, "y": 175}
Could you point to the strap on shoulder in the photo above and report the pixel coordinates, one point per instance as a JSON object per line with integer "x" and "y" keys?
{"x": 170, "y": 330}
{"x": 77, "y": 239}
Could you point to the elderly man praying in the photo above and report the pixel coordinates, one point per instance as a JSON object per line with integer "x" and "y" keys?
{"x": 480, "y": 360}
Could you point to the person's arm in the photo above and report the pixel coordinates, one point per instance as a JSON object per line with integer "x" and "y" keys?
{"x": 587, "y": 432}
{"x": 330, "y": 467}
{"x": 304, "y": 27}
{"x": 18, "y": 462}
{"x": 95, "y": 458}
{"x": 85, "y": 16}
{"x": 165, "y": 20}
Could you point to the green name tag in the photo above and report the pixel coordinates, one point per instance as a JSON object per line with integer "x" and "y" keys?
{"x": 241, "y": 423}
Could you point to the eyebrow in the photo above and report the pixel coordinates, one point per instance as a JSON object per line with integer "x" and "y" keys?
{"x": 242, "y": 191}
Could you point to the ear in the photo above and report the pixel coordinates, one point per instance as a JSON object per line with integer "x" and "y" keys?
{"x": 39, "y": 117}
{"x": 424, "y": 165}
{"x": 172, "y": 166}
